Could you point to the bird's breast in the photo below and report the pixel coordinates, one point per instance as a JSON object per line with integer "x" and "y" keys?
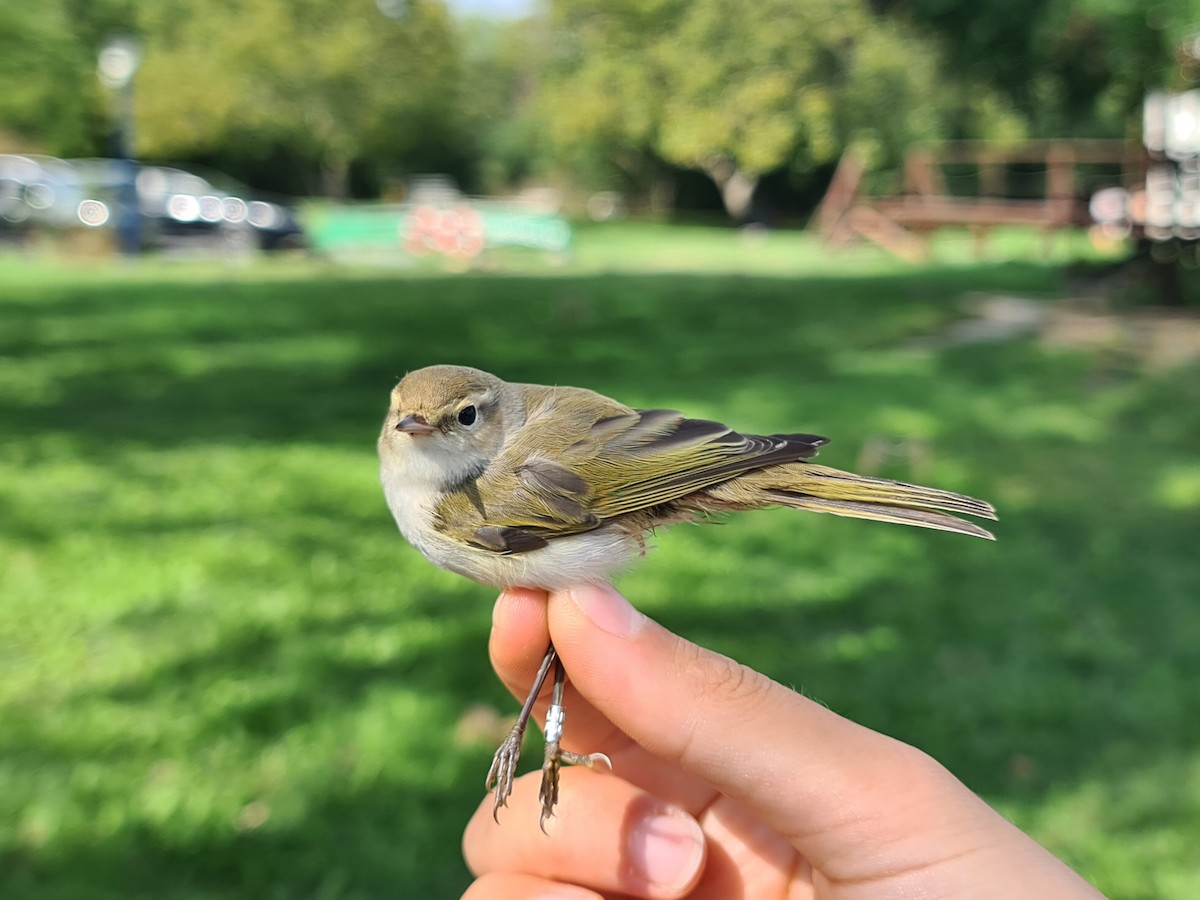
{"x": 412, "y": 500}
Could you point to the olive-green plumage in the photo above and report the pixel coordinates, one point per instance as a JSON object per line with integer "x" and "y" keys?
{"x": 500, "y": 481}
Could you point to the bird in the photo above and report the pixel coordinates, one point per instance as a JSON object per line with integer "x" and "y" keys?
{"x": 537, "y": 486}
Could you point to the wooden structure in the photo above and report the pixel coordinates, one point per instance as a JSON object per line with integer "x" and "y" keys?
{"x": 898, "y": 223}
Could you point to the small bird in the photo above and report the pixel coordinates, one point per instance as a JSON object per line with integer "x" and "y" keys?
{"x": 525, "y": 485}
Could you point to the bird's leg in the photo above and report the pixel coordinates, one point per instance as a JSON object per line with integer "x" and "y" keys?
{"x": 504, "y": 763}
{"x": 555, "y": 755}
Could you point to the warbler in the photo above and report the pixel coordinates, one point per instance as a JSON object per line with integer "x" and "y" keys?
{"x": 546, "y": 487}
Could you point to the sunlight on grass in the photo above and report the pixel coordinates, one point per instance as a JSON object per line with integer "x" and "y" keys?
{"x": 1179, "y": 487}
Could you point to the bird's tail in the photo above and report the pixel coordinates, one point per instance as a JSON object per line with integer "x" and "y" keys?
{"x": 822, "y": 489}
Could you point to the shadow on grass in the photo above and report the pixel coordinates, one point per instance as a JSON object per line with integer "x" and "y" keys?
{"x": 178, "y": 363}
{"x": 351, "y": 844}
{"x": 1063, "y": 654}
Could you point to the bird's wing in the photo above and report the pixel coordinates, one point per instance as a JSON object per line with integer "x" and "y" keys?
{"x": 550, "y": 482}
{"x": 659, "y": 455}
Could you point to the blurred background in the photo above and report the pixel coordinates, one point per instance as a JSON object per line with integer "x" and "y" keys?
{"x": 957, "y": 238}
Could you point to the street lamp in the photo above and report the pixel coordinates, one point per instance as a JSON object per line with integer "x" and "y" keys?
{"x": 116, "y": 66}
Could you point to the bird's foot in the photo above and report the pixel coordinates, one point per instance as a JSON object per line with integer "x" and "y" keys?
{"x": 504, "y": 768}
{"x": 504, "y": 764}
{"x": 555, "y": 758}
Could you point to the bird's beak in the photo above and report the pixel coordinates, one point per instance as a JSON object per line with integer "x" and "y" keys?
{"x": 415, "y": 425}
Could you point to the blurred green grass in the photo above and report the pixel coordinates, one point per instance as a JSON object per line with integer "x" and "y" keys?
{"x": 222, "y": 673}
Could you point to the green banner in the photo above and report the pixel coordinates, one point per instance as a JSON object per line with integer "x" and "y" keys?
{"x": 462, "y": 230}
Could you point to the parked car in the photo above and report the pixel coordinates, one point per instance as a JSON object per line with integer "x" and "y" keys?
{"x": 35, "y": 192}
{"x": 159, "y": 207}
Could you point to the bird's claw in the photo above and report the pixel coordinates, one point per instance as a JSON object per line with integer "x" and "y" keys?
{"x": 504, "y": 770}
{"x": 555, "y": 759}
{"x": 587, "y": 760}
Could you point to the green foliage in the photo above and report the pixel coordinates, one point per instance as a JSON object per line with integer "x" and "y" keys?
{"x": 745, "y": 89}
{"x": 223, "y": 674}
{"x": 500, "y": 65}
{"x": 48, "y": 88}
{"x": 1068, "y": 67}
{"x": 337, "y": 81}
{"x": 334, "y": 83}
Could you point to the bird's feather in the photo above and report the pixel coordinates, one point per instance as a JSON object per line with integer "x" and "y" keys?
{"x": 554, "y": 478}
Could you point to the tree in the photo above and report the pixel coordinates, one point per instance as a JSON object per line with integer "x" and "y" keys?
{"x": 500, "y": 65}
{"x": 1068, "y": 67}
{"x": 738, "y": 90}
{"x": 336, "y": 81}
{"x": 50, "y": 97}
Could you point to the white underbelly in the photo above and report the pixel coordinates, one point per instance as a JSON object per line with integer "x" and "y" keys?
{"x": 573, "y": 559}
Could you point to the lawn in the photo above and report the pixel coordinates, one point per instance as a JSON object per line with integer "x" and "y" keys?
{"x": 223, "y": 673}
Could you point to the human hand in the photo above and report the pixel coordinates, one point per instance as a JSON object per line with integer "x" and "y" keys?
{"x": 726, "y": 784}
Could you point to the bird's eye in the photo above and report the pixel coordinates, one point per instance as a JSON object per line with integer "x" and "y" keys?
{"x": 466, "y": 415}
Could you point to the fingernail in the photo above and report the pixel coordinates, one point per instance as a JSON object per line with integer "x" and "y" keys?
{"x": 607, "y": 609}
{"x": 666, "y": 850}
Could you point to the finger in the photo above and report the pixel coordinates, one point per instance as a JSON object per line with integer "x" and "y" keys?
{"x": 520, "y": 636}
{"x": 808, "y": 773}
{"x": 606, "y": 834}
{"x": 517, "y": 886}
{"x": 518, "y": 642}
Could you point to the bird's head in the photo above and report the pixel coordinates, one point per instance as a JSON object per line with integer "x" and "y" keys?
{"x": 446, "y": 423}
